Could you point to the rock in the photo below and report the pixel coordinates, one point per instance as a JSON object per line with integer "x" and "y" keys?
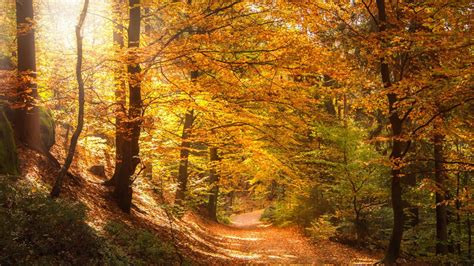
{"x": 47, "y": 124}
{"x": 98, "y": 170}
{"x": 6, "y": 62}
{"x": 8, "y": 154}
{"x": 47, "y": 129}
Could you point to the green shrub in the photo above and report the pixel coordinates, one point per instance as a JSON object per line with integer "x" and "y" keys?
{"x": 36, "y": 229}
{"x": 223, "y": 217}
{"x": 278, "y": 214}
{"x": 268, "y": 214}
{"x": 141, "y": 246}
{"x": 302, "y": 211}
{"x": 321, "y": 228}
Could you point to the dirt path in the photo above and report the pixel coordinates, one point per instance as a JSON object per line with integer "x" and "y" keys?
{"x": 248, "y": 220}
{"x": 247, "y": 240}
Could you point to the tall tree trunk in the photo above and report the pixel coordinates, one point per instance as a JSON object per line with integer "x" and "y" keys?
{"x": 213, "y": 179}
{"x": 134, "y": 70}
{"x": 130, "y": 145}
{"x": 441, "y": 208}
{"x": 80, "y": 117}
{"x": 183, "y": 158}
{"x": 393, "y": 250}
{"x": 467, "y": 181}
{"x": 458, "y": 215}
{"x": 120, "y": 94}
{"x": 27, "y": 122}
{"x": 469, "y": 236}
{"x": 184, "y": 152}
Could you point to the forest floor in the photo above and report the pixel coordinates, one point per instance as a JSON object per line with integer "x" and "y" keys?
{"x": 246, "y": 240}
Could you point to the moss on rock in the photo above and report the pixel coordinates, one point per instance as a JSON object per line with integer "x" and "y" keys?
{"x": 8, "y": 154}
{"x": 47, "y": 127}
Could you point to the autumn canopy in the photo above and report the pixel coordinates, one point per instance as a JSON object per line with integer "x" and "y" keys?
{"x": 345, "y": 122}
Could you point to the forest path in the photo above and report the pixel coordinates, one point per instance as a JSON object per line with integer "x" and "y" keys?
{"x": 248, "y": 240}
{"x": 247, "y": 220}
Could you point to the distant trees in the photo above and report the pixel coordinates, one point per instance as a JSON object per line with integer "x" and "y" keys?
{"x": 408, "y": 84}
{"x": 184, "y": 157}
{"x": 214, "y": 185}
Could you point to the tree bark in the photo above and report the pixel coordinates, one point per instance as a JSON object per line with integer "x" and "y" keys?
{"x": 213, "y": 179}
{"x": 393, "y": 250}
{"x": 80, "y": 117}
{"x": 120, "y": 95}
{"x": 441, "y": 208}
{"x": 467, "y": 178}
{"x": 134, "y": 70}
{"x": 130, "y": 145}
{"x": 183, "y": 158}
{"x": 458, "y": 215}
{"x": 469, "y": 236}
{"x": 27, "y": 121}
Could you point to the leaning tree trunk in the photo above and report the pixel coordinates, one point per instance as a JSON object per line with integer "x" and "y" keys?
{"x": 130, "y": 145}
{"x": 120, "y": 95}
{"x": 27, "y": 121}
{"x": 213, "y": 179}
{"x": 80, "y": 117}
{"x": 183, "y": 158}
{"x": 393, "y": 251}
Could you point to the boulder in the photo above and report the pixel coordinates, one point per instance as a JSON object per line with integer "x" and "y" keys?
{"x": 8, "y": 154}
{"x": 98, "y": 170}
{"x": 47, "y": 128}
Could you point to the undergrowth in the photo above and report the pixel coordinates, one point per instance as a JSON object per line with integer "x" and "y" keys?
{"x": 141, "y": 246}
{"x": 37, "y": 230}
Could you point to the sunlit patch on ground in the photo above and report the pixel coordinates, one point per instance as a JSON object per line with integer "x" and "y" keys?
{"x": 362, "y": 262}
{"x": 246, "y": 256}
{"x": 243, "y": 238}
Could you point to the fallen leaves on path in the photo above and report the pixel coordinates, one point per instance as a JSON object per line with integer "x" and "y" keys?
{"x": 247, "y": 240}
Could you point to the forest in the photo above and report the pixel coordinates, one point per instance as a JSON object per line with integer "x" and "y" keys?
{"x": 235, "y": 132}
